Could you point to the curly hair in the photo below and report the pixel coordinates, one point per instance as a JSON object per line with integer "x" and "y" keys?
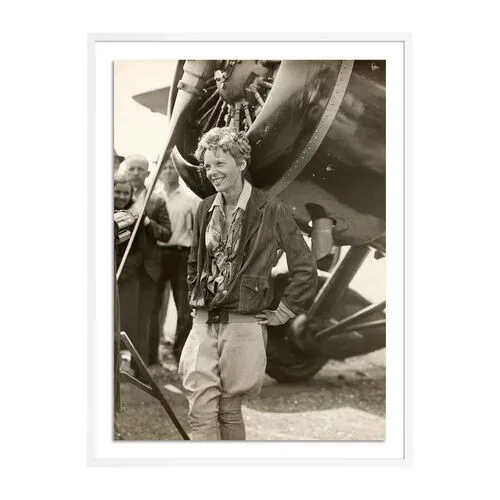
{"x": 230, "y": 141}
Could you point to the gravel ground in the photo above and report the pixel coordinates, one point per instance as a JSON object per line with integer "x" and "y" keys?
{"x": 344, "y": 401}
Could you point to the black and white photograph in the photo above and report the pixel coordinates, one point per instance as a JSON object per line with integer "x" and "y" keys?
{"x": 250, "y": 249}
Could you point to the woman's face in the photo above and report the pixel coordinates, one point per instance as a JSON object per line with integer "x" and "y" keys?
{"x": 223, "y": 171}
{"x": 122, "y": 193}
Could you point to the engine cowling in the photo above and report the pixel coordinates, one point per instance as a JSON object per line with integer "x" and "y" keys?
{"x": 317, "y": 130}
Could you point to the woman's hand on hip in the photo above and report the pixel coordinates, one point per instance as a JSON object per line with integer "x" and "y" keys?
{"x": 271, "y": 318}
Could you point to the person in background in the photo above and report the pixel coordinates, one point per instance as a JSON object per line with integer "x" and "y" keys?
{"x": 182, "y": 204}
{"x": 237, "y": 234}
{"x": 137, "y": 281}
{"x": 117, "y": 160}
{"x": 123, "y": 199}
{"x": 123, "y": 192}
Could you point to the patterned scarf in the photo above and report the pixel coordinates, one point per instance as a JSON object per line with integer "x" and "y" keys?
{"x": 222, "y": 252}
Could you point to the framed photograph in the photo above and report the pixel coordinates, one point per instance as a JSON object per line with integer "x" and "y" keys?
{"x": 251, "y": 285}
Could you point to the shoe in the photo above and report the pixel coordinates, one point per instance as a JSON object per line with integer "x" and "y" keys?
{"x": 171, "y": 367}
{"x": 125, "y": 356}
{"x": 156, "y": 370}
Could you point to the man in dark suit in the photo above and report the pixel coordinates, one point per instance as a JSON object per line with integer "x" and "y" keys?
{"x": 137, "y": 283}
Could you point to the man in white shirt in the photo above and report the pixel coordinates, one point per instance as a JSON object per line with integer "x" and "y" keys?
{"x": 182, "y": 205}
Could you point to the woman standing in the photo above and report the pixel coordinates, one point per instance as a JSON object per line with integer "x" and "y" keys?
{"x": 237, "y": 234}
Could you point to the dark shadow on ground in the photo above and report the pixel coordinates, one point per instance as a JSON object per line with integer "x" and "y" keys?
{"x": 362, "y": 394}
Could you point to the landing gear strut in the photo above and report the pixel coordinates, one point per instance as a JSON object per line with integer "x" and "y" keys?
{"x": 339, "y": 324}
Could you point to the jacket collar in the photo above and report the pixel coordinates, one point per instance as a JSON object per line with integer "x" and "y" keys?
{"x": 242, "y": 200}
{"x": 253, "y": 213}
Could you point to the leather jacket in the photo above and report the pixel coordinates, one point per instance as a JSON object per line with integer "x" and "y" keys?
{"x": 267, "y": 227}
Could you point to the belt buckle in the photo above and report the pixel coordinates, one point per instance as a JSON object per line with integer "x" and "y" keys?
{"x": 217, "y": 316}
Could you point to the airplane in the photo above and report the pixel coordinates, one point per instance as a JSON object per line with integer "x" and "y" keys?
{"x": 317, "y": 130}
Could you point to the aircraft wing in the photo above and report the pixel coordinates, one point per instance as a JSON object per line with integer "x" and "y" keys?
{"x": 154, "y": 100}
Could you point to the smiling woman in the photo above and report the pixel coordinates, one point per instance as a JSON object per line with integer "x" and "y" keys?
{"x": 237, "y": 234}
{"x": 225, "y": 155}
{"x": 122, "y": 192}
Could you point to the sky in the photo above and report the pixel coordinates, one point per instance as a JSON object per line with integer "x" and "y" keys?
{"x": 136, "y": 128}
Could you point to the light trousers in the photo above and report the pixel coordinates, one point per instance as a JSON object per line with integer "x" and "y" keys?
{"x": 221, "y": 364}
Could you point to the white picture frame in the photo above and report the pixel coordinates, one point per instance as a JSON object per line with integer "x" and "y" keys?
{"x": 103, "y": 49}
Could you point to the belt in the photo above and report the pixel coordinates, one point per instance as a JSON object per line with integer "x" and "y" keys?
{"x": 220, "y": 316}
{"x": 175, "y": 248}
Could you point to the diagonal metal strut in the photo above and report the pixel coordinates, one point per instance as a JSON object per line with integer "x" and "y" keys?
{"x": 153, "y": 388}
{"x": 343, "y": 325}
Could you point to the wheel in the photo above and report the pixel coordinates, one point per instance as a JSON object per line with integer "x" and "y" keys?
{"x": 285, "y": 363}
